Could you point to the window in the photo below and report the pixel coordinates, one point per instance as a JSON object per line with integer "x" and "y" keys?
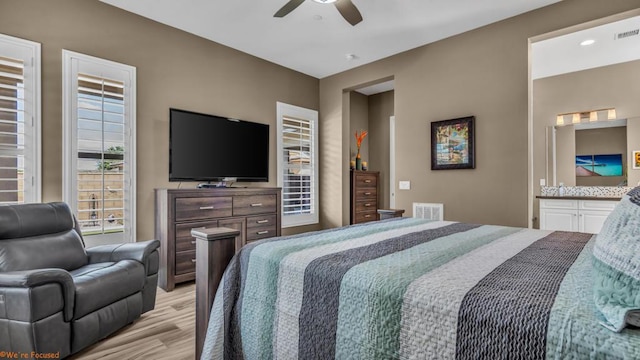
{"x": 297, "y": 133}
{"x": 99, "y": 146}
{"x": 20, "y": 180}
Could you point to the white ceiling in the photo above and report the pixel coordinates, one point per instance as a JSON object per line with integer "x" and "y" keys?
{"x": 314, "y": 39}
{"x": 564, "y": 54}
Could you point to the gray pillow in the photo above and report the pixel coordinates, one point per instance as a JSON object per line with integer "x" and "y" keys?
{"x": 616, "y": 265}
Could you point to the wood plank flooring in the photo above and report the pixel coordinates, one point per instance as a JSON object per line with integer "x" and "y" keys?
{"x": 166, "y": 332}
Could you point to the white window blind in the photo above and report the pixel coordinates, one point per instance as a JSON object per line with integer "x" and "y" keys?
{"x": 19, "y": 121}
{"x": 100, "y": 153}
{"x": 297, "y": 164}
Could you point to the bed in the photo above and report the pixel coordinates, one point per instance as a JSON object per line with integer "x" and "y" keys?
{"x": 414, "y": 289}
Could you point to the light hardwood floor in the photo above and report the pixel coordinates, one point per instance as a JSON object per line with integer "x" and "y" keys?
{"x": 166, "y": 332}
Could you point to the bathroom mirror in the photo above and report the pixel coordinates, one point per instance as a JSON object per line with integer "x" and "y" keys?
{"x": 589, "y": 154}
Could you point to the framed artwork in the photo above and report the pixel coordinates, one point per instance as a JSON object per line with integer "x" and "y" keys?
{"x": 599, "y": 165}
{"x": 636, "y": 160}
{"x": 452, "y": 144}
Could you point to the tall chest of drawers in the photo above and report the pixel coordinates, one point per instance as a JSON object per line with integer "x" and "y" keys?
{"x": 364, "y": 196}
{"x": 255, "y": 212}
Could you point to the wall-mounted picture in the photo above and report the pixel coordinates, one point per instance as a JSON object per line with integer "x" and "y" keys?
{"x": 636, "y": 160}
{"x": 452, "y": 144}
{"x": 599, "y": 165}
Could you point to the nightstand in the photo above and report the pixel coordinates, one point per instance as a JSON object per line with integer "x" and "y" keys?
{"x": 390, "y": 213}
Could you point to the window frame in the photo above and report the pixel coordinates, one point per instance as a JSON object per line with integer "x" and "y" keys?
{"x": 32, "y": 56}
{"x": 286, "y": 110}
{"x": 103, "y": 68}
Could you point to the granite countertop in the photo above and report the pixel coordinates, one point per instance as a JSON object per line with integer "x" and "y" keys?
{"x": 579, "y": 198}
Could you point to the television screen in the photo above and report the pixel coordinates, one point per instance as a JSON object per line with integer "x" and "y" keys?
{"x": 209, "y": 148}
{"x": 599, "y": 165}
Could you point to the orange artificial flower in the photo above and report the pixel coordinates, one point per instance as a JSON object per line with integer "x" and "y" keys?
{"x": 359, "y": 138}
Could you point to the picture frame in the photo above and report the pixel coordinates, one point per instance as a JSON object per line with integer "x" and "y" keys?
{"x": 636, "y": 160}
{"x": 453, "y": 144}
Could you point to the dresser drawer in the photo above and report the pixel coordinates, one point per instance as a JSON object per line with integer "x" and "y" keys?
{"x": 255, "y": 222}
{"x": 366, "y": 194}
{"x": 254, "y": 204}
{"x": 184, "y": 240}
{"x": 366, "y": 216}
{"x": 185, "y": 262}
{"x": 366, "y": 180}
{"x": 261, "y": 233}
{"x": 203, "y": 208}
{"x": 366, "y": 205}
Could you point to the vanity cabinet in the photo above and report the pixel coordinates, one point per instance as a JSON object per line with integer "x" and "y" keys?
{"x": 579, "y": 215}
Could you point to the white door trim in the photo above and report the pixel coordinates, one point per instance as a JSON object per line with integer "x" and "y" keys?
{"x": 392, "y": 162}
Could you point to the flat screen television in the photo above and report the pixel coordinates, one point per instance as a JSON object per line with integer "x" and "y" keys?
{"x": 211, "y": 148}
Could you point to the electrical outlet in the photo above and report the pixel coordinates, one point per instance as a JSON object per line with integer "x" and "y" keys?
{"x": 405, "y": 185}
{"x": 543, "y": 182}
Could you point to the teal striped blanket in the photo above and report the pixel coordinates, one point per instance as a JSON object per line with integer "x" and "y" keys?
{"x": 413, "y": 289}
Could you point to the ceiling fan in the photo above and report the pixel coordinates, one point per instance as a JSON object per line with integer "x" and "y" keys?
{"x": 346, "y": 8}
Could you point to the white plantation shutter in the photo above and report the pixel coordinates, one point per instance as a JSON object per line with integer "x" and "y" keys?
{"x": 99, "y": 153}
{"x": 298, "y": 164}
{"x": 19, "y": 121}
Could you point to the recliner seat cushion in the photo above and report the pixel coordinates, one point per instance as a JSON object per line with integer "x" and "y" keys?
{"x": 98, "y": 285}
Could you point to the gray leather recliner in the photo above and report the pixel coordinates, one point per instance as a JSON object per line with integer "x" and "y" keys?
{"x": 58, "y": 297}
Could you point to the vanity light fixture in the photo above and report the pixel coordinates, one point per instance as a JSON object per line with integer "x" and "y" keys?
{"x": 576, "y": 118}
{"x": 589, "y": 115}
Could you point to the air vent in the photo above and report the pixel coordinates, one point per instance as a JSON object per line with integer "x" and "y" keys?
{"x": 627, "y": 34}
{"x": 428, "y": 211}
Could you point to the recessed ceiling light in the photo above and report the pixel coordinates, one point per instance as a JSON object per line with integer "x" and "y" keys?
{"x": 588, "y": 42}
{"x": 325, "y": 1}
{"x": 351, "y": 56}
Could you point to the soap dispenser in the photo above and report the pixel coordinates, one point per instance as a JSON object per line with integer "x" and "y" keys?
{"x": 561, "y": 189}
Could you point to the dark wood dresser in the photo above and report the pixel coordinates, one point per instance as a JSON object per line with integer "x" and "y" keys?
{"x": 364, "y": 196}
{"x": 255, "y": 212}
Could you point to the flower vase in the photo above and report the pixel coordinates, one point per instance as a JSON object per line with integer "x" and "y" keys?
{"x": 358, "y": 161}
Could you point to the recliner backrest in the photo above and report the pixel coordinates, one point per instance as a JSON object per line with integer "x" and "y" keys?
{"x": 36, "y": 236}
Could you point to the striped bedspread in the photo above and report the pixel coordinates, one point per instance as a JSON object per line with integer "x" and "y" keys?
{"x": 413, "y": 289}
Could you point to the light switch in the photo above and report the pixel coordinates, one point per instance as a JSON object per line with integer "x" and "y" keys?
{"x": 543, "y": 182}
{"x": 405, "y": 185}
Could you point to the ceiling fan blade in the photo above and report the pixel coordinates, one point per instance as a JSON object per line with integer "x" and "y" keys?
{"x": 349, "y": 11}
{"x": 288, "y": 7}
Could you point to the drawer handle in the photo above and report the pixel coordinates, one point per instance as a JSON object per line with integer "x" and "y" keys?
{"x": 367, "y": 205}
{"x": 367, "y": 181}
{"x": 206, "y": 207}
{"x": 193, "y": 261}
{"x": 262, "y": 221}
{"x": 367, "y": 216}
{"x": 367, "y": 193}
{"x": 193, "y": 242}
{"x": 262, "y": 232}
{"x": 256, "y": 204}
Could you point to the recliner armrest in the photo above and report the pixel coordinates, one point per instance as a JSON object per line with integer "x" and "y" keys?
{"x": 139, "y": 251}
{"x": 37, "y": 277}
